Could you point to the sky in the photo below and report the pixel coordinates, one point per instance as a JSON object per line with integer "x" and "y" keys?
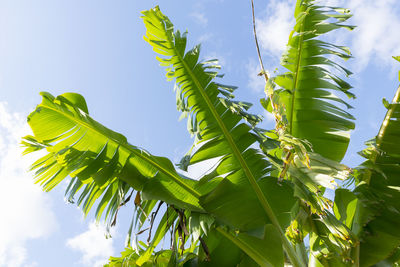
{"x": 96, "y": 48}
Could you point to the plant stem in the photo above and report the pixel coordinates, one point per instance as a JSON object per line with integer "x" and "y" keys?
{"x": 356, "y": 257}
{"x": 257, "y": 46}
{"x": 263, "y": 72}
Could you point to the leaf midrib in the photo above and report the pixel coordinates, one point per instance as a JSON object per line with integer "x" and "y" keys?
{"x": 296, "y": 79}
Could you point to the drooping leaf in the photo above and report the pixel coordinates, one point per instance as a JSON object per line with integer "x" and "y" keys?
{"x": 102, "y": 164}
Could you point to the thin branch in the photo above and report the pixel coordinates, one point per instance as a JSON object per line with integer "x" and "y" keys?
{"x": 153, "y": 216}
{"x": 123, "y": 203}
{"x": 205, "y": 248}
{"x": 256, "y": 40}
{"x": 263, "y": 72}
{"x": 142, "y": 231}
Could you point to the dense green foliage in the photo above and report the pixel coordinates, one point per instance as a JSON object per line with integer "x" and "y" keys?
{"x": 265, "y": 195}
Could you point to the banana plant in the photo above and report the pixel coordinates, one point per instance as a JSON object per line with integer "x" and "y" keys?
{"x": 374, "y": 212}
{"x": 263, "y": 200}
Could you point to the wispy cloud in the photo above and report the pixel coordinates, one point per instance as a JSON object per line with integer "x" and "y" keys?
{"x": 376, "y": 38}
{"x": 200, "y": 18}
{"x": 93, "y": 244}
{"x": 26, "y": 211}
{"x": 274, "y": 26}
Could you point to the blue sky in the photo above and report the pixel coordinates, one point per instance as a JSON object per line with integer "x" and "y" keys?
{"x": 96, "y": 48}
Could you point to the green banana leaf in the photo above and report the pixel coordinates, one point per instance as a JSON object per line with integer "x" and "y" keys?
{"x": 309, "y": 89}
{"x": 378, "y": 191}
{"x": 372, "y": 209}
{"x": 219, "y": 130}
{"x": 241, "y": 175}
{"x": 315, "y": 125}
{"x": 102, "y": 164}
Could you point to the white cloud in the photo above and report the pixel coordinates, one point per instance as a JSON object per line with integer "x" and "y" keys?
{"x": 376, "y": 38}
{"x": 200, "y": 18}
{"x": 274, "y": 26}
{"x": 93, "y": 244}
{"x": 26, "y": 210}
